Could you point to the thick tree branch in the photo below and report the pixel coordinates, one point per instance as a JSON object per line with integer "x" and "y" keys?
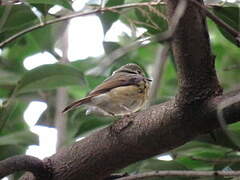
{"x": 181, "y": 173}
{"x": 192, "y": 52}
{"x": 24, "y": 163}
{"x": 143, "y": 135}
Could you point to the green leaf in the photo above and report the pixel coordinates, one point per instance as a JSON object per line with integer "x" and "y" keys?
{"x": 49, "y": 77}
{"x": 39, "y": 40}
{"x": 51, "y": 35}
{"x": 229, "y": 15}
{"x": 19, "y": 18}
{"x": 78, "y": 92}
{"x": 8, "y": 77}
{"x": 155, "y": 165}
{"x": 84, "y": 64}
{"x": 19, "y": 138}
{"x": 11, "y": 150}
{"x": 63, "y": 3}
{"x": 194, "y": 164}
{"x": 109, "y": 17}
{"x": 194, "y": 147}
{"x": 153, "y": 19}
{"x": 11, "y": 118}
{"x": 5, "y": 91}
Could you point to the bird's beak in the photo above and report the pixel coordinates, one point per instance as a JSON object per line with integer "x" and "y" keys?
{"x": 148, "y": 79}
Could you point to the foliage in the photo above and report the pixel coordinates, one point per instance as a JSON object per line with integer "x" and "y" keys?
{"x": 18, "y": 86}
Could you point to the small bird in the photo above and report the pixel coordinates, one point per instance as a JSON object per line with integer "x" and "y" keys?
{"x": 123, "y": 93}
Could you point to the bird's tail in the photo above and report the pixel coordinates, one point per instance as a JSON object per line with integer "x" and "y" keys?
{"x": 77, "y": 103}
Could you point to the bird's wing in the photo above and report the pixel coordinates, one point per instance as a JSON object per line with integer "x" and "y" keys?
{"x": 77, "y": 103}
{"x": 107, "y": 85}
{"x": 114, "y": 82}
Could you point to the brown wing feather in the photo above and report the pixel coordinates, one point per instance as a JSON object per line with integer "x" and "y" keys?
{"x": 113, "y": 82}
{"x": 77, "y": 103}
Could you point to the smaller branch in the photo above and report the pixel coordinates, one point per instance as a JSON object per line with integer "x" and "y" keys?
{"x": 219, "y": 22}
{"x": 24, "y": 163}
{"x": 78, "y": 14}
{"x": 181, "y": 173}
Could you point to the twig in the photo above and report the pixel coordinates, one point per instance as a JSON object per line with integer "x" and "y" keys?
{"x": 165, "y": 36}
{"x": 24, "y": 163}
{"x": 181, "y": 173}
{"x": 78, "y": 14}
{"x": 220, "y": 22}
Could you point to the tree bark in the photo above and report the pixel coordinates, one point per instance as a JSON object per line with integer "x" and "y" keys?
{"x": 161, "y": 127}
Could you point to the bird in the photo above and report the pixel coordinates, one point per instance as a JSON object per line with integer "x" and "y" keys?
{"x": 123, "y": 93}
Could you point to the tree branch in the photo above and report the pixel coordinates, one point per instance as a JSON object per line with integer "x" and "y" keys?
{"x": 24, "y": 163}
{"x": 181, "y": 173}
{"x": 142, "y": 135}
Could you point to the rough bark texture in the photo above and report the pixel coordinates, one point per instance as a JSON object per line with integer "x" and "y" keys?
{"x": 161, "y": 127}
{"x": 192, "y": 53}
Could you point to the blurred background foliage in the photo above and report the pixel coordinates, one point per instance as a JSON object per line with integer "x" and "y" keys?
{"x": 19, "y": 86}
